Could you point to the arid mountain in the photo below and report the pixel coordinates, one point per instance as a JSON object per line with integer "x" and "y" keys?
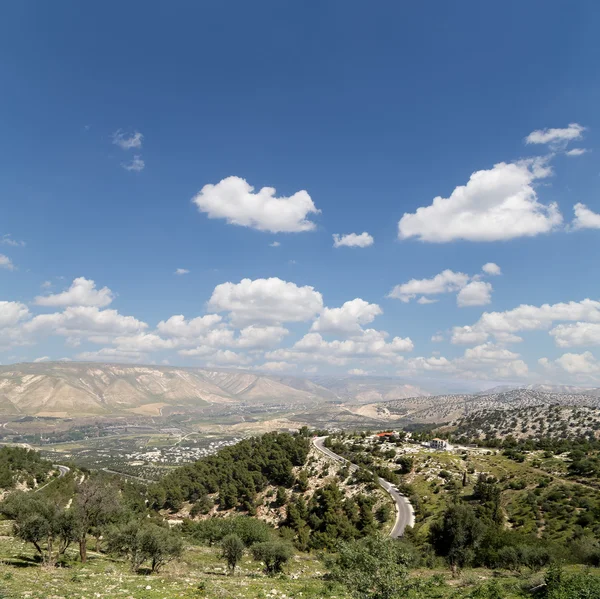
{"x": 66, "y": 389}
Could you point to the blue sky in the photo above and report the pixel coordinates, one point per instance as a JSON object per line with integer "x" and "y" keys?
{"x": 116, "y": 117}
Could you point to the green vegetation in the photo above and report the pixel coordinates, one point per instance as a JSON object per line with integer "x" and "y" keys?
{"x": 18, "y": 465}
{"x": 505, "y": 522}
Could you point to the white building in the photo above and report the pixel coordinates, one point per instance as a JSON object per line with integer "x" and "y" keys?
{"x": 440, "y": 444}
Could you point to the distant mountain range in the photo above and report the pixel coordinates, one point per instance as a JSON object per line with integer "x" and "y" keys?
{"x": 66, "y": 389}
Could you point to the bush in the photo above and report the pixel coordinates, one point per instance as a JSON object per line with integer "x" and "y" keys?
{"x": 273, "y": 554}
{"x": 232, "y": 550}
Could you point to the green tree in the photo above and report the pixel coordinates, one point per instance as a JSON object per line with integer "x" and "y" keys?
{"x": 96, "y": 504}
{"x": 457, "y": 535}
{"x": 42, "y": 522}
{"x": 232, "y": 550}
{"x": 273, "y": 554}
{"x": 145, "y": 542}
{"x": 372, "y": 568}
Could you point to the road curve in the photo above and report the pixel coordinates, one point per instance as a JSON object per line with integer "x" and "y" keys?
{"x": 405, "y": 515}
{"x": 62, "y": 470}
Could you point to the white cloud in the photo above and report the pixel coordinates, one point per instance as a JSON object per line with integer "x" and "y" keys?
{"x": 445, "y": 282}
{"x": 584, "y": 363}
{"x": 369, "y": 344}
{"x": 437, "y": 338}
{"x": 585, "y": 218}
{"x": 484, "y": 362}
{"x": 260, "y": 337}
{"x": 112, "y": 354}
{"x": 358, "y": 372}
{"x": 127, "y": 142}
{"x": 276, "y": 366}
{"x": 178, "y": 326}
{"x": 491, "y": 269}
{"x": 229, "y": 358}
{"x": 476, "y": 293}
{"x": 84, "y": 321}
{"x": 8, "y": 240}
{"x": 136, "y": 165}
{"x": 82, "y": 292}
{"x": 46, "y": 285}
{"x": 576, "y": 152}
{"x": 12, "y": 313}
{"x": 275, "y": 244}
{"x": 265, "y": 301}
{"x": 496, "y": 204}
{"x": 6, "y": 262}
{"x": 573, "y": 335}
{"x": 353, "y": 240}
{"x": 467, "y": 335}
{"x": 41, "y": 359}
{"x": 232, "y": 199}
{"x": 426, "y": 300}
{"x": 348, "y": 319}
{"x": 182, "y": 271}
{"x": 555, "y": 136}
{"x": 525, "y": 318}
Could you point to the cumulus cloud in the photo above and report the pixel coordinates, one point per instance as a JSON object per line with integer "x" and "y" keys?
{"x": 136, "y": 165}
{"x": 576, "y": 152}
{"x": 348, "y": 319}
{"x": 260, "y": 337}
{"x": 182, "y": 271}
{"x": 585, "y": 218}
{"x": 353, "y": 240}
{"x": 276, "y": 366}
{"x": 584, "y": 363}
{"x": 112, "y": 354}
{"x": 233, "y": 200}
{"x": 82, "y": 292}
{"x": 41, "y": 359}
{"x": 358, "y": 372}
{"x": 369, "y": 344}
{"x": 555, "y": 136}
{"x": 262, "y": 301}
{"x": 525, "y": 317}
{"x": 12, "y": 313}
{"x": 476, "y": 293}
{"x": 178, "y": 326}
{"x": 127, "y": 142}
{"x": 445, "y": 282}
{"x": 84, "y": 321}
{"x": 275, "y": 244}
{"x": 491, "y": 269}
{"x": 573, "y": 335}
{"x": 496, "y": 204}
{"x": 426, "y": 300}
{"x": 6, "y": 262}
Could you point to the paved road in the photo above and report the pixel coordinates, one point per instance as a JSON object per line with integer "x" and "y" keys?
{"x": 62, "y": 470}
{"x": 405, "y": 515}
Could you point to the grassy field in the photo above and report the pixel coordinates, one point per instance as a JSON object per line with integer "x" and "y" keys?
{"x": 201, "y": 574}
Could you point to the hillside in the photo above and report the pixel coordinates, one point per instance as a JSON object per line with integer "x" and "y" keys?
{"x": 533, "y": 422}
{"x": 66, "y": 388}
{"x": 448, "y": 408}
{"x": 62, "y": 389}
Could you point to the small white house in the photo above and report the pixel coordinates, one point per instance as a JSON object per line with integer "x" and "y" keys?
{"x": 440, "y": 445}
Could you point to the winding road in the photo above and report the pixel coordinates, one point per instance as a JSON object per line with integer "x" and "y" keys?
{"x": 405, "y": 515}
{"x": 62, "y": 470}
